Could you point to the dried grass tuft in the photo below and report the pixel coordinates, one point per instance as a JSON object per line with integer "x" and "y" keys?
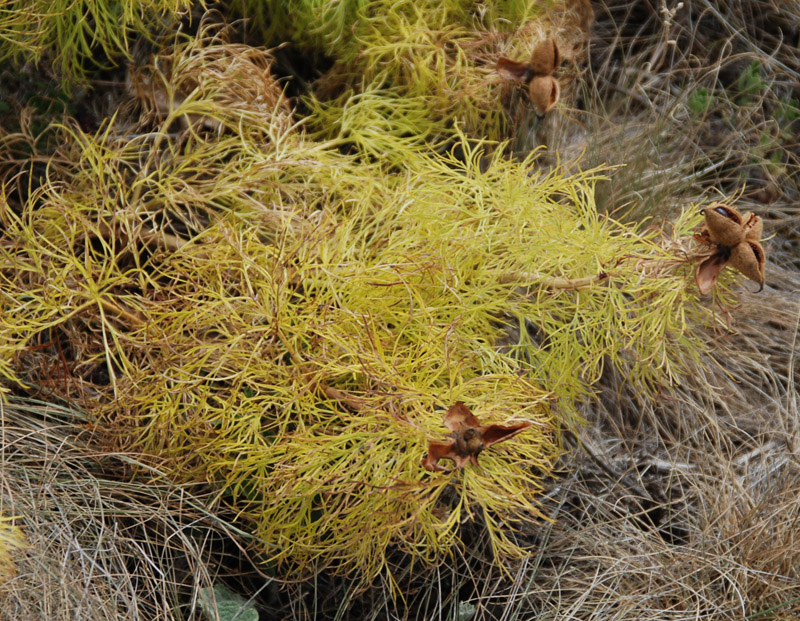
{"x": 99, "y": 546}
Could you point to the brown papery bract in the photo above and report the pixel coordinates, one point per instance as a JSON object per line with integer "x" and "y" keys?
{"x": 736, "y": 240}
{"x": 469, "y": 438}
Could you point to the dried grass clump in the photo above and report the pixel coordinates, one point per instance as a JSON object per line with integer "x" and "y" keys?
{"x": 98, "y": 546}
{"x": 75, "y": 34}
{"x": 255, "y": 310}
{"x": 695, "y": 99}
{"x": 687, "y": 506}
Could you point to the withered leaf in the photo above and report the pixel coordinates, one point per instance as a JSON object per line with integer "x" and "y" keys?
{"x": 736, "y": 240}
{"x": 468, "y": 439}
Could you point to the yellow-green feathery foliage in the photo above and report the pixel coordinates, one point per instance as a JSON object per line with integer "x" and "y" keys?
{"x": 259, "y": 311}
{"x": 72, "y": 31}
{"x": 338, "y": 29}
{"x": 444, "y": 61}
{"x": 437, "y": 57}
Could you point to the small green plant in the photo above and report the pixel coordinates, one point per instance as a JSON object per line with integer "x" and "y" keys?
{"x": 219, "y": 603}
{"x": 700, "y": 102}
{"x": 786, "y": 115}
{"x": 750, "y": 85}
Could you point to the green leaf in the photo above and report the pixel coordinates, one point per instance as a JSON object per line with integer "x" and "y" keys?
{"x": 221, "y": 604}
{"x": 466, "y": 611}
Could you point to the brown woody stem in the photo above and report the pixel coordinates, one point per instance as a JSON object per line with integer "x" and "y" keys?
{"x": 354, "y": 403}
{"x": 550, "y": 282}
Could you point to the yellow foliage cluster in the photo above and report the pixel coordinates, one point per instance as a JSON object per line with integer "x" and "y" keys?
{"x": 74, "y": 34}
{"x": 252, "y": 308}
{"x": 12, "y": 541}
{"x": 427, "y": 63}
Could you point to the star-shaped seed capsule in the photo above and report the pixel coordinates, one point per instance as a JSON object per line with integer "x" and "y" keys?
{"x": 736, "y": 241}
{"x": 468, "y": 438}
{"x": 537, "y": 74}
